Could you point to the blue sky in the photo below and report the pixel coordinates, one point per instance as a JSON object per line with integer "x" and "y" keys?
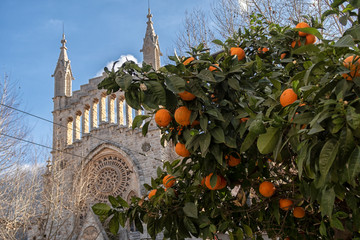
{"x": 97, "y": 32}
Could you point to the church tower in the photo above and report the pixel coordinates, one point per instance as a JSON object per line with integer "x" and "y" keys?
{"x": 151, "y": 49}
{"x": 63, "y": 74}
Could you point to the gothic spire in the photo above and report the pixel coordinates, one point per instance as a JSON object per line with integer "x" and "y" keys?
{"x": 63, "y": 74}
{"x": 151, "y": 48}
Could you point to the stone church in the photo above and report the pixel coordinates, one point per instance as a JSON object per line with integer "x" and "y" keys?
{"x": 96, "y": 153}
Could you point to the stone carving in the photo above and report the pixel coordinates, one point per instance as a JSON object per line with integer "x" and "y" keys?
{"x": 90, "y": 233}
{"x": 109, "y": 175}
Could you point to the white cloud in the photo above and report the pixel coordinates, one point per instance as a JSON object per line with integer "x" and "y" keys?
{"x": 243, "y": 4}
{"x": 55, "y": 22}
{"x": 120, "y": 61}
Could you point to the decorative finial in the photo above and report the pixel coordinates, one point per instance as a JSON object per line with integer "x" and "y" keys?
{"x": 63, "y": 40}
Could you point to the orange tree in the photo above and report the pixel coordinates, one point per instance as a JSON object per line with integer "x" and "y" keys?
{"x": 271, "y": 144}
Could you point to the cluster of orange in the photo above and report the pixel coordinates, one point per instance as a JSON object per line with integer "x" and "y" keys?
{"x": 168, "y": 182}
{"x": 309, "y": 38}
{"x": 267, "y": 189}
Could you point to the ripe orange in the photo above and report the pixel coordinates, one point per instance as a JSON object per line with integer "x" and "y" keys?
{"x": 213, "y": 98}
{"x": 152, "y": 193}
{"x": 244, "y": 119}
{"x": 168, "y": 181}
{"x": 288, "y": 97}
{"x": 233, "y": 161}
{"x": 299, "y": 212}
{"x": 207, "y": 182}
{"x": 285, "y": 204}
{"x": 352, "y": 63}
{"x": 283, "y": 55}
{"x": 186, "y": 96}
{"x": 267, "y": 189}
{"x": 203, "y": 181}
{"x": 195, "y": 123}
{"x": 310, "y": 39}
{"x": 212, "y": 68}
{"x": 302, "y": 25}
{"x": 293, "y": 44}
{"x": 181, "y": 150}
{"x": 163, "y": 117}
{"x": 262, "y": 50}
{"x": 222, "y": 183}
{"x": 182, "y": 116}
{"x": 238, "y": 51}
{"x": 189, "y": 60}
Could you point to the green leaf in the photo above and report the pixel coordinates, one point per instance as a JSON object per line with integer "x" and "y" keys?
{"x": 206, "y": 76}
{"x": 190, "y": 210}
{"x": 158, "y": 91}
{"x": 322, "y": 229}
{"x": 204, "y": 122}
{"x": 145, "y": 128}
{"x": 247, "y": 230}
{"x": 190, "y": 225}
{"x": 257, "y": 127}
{"x": 212, "y": 228}
{"x": 336, "y": 223}
{"x": 124, "y": 82}
{"x": 345, "y": 41}
{"x": 218, "y": 42}
{"x": 352, "y": 118}
{"x": 175, "y": 84}
{"x": 122, "y": 219}
{"x": 205, "y": 140}
{"x": 138, "y": 224}
{"x": 239, "y": 234}
{"x": 218, "y": 134}
{"x": 267, "y": 141}
{"x": 310, "y": 30}
{"x": 234, "y": 84}
{"x": 327, "y": 155}
{"x": 218, "y": 154}
{"x": 307, "y": 49}
{"x": 114, "y": 224}
{"x": 354, "y": 164}
{"x": 122, "y": 202}
{"x": 101, "y": 209}
{"x": 138, "y": 120}
{"x": 113, "y": 201}
{"x": 327, "y": 202}
{"x": 248, "y": 141}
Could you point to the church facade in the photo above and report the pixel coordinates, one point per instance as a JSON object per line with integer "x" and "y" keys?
{"x": 96, "y": 153}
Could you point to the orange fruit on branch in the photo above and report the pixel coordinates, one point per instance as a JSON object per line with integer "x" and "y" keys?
{"x": 310, "y": 39}
{"x": 189, "y": 60}
{"x": 267, "y": 189}
{"x": 234, "y": 161}
{"x": 262, "y": 50}
{"x": 168, "y": 181}
{"x": 212, "y": 68}
{"x": 288, "y": 97}
{"x": 353, "y": 64}
{"x": 218, "y": 182}
{"x": 152, "y": 193}
{"x": 294, "y": 43}
{"x": 285, "y": 204}
{"x": 238, "y": 51}
{"x": 163, "y": 117}
{"x": 222, "y": 183}
{"x": 181, "y": 150}
{"x": 283, "y": 55}
{"x": 299, "y": 212}
{"x": 302, "y": 25}
{"x": 187, "y": 96}
{"x": 182, "y": 116}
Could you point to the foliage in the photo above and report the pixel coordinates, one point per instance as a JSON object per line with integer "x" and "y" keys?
{"x": 310, "y": 150}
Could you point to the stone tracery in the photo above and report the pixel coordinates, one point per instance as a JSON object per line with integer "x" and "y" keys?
{"x": 109, "y": 175}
